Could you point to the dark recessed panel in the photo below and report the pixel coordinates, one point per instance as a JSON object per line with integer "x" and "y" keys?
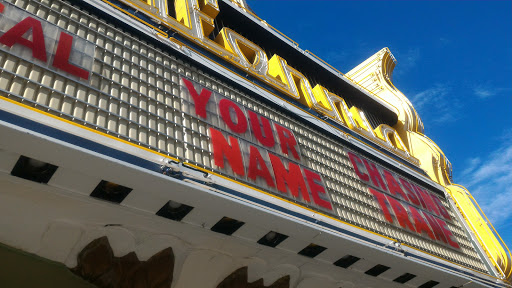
{"x": 429, "y": 284}
{"x": 272, "y": 239}
{"x": 174, "y": 210}
{"x": 377, "y": 270}
{"x": 110, "y": 191}
{"x": 346, "y": 261}
{"x": 312, "y": 250}
{"x": 227, "y": 226}
{"x": 33, "y": 170}
{"x": 404, "y": 278}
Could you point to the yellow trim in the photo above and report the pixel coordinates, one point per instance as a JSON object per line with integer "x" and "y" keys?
{"x": 494, "y": 248}
{"x": 134, "y": 3}
{"x": 86, "y": 128}
{"x": 357, "y": 83}
{"x": 487, "y": 220}
{"x": 137, "y": 18}
{"x": 364, "y": 78}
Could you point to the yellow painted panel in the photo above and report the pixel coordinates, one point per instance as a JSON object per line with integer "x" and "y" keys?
{"x": 496, "y": 250}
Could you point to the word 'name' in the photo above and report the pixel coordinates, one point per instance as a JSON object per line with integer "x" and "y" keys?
{"x": 242, "y": 159}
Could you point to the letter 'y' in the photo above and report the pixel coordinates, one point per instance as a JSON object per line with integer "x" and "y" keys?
{"x": 200, "y": 100}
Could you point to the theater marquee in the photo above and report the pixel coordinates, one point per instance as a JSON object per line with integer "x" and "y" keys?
{"x": 164, "y": 102}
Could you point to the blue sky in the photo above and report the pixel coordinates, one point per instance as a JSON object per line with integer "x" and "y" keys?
{"x": 454, "y": 62}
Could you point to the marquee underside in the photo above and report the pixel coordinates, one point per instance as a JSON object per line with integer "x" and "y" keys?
{"x": 58, "y": 220}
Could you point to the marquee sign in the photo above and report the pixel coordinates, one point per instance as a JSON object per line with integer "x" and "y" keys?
{"x": 161, "y": 101}
{"x": 251, "y": 147}
{"x": 405, "y": 204}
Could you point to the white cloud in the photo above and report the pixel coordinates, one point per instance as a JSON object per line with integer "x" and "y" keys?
{"x": 407, "y": 60}
{"x": 429, "y": 96}
{"x": 484, "y": 92}
{"x": 412, "y": 56}
{"x": 489, "y": 180}
{"x": 444, "y": 41}
{"x": 472, "y": 165}
{"x": 432, "y": 104}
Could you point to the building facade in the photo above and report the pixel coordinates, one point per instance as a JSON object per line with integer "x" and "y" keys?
{"x": 188, "y": 143}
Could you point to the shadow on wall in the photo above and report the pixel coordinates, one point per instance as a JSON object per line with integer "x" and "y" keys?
{"x": 98, "y": 265}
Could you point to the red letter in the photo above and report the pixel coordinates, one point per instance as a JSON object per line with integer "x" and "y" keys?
{"x": 15, "y": 35}
{"x": 221, "y": 149}
{"x": 287, "y": 140}
{"x": 421, "y": 225}
{"x": 438, "y": 231}
{"x": 374, "y": 174}
{"x": 265, "y": 137}
{"x": 313, "y": 180}
{"x": 382, "y": 203}
{"x": 401, "y": 214}
{"x": 447, "y": 233}
{"x": 290, "y": 179}
{"x": 241, "y": 125}
{"x": 355, "y": 160}
{"x": 429, "y": 203}
{"x": 200, "y": 100}
{"x": 441, "y": 208}
{"x": 393, "y": 186}
{"x": 416, "y": 190}
{"x": 258, "y": 168}
{"x": 61, "y": 60}
{"x": 410, "y": 192}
